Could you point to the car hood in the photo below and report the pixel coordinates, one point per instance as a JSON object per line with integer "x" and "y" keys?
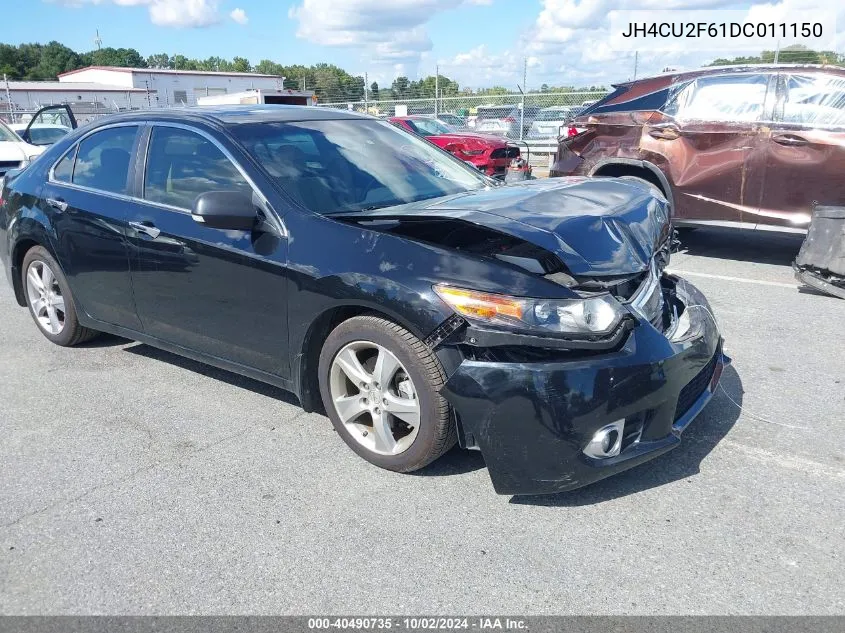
{"x": 594, "y": 226}
{"x": 18, "y": 150}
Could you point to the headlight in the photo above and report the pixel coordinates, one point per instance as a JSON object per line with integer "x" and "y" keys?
{"x": 472, "y": 152}
{"x": 596, "y": 315}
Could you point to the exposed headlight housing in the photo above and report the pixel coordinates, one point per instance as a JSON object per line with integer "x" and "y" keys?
{"x": 472, "y": 152}
{"x": 593, "y": 316}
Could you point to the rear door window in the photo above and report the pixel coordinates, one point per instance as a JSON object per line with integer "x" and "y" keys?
{"x": 722, "y": 98}
{"x": 182, "y": 164}
{"x": 816, "y": 100}
{"x": 63, "y": 171}
{"x": 102, "y": 161}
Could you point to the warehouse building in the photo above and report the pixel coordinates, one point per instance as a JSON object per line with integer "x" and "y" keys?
{"x": 112, "y": 88}
{"x": 173, "y": 87}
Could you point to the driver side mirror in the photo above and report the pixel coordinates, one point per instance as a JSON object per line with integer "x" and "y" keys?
{"x": 232, "y": 210}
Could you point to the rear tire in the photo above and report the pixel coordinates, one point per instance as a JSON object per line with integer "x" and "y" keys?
{"x": 50, "y": 300}
{"x": 380, "y": 386}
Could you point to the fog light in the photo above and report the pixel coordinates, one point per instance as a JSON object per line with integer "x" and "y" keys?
{"x": 606, "y": 442}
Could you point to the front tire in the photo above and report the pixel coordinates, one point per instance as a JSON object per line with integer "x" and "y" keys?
{"x": 50, "y": 300}
{"x": 380, "y": 385}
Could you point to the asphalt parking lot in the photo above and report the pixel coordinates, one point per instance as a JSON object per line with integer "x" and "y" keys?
{"x": 133, "y": 481}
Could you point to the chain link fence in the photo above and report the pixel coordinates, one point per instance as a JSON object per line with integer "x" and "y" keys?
{"x": 82, "y": 111}
{"x": 532, "y": 116}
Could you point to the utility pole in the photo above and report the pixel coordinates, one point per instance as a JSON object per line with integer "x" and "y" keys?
{"x": 97, "y": 40}
{"x": 636, "y": 61}
{"x": 366, "y": 87}
{"x": 8, "y": 98}
{"x": 436, "y": 87}
{"x": 777, "y": 51}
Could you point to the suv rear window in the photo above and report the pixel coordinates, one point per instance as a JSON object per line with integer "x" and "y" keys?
{"x": 496, "y": 112}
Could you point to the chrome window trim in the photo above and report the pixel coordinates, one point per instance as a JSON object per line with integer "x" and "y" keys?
{"x": 152, "y": 124}
{"x": 51, "y": 175}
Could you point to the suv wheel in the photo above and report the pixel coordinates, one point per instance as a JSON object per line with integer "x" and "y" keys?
{"x": 380, "y": 386}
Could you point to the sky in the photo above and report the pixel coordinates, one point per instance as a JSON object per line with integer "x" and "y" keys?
{"x": 479, "y": 43}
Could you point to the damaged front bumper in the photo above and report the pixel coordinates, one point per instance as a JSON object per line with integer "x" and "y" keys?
{"x": 532, "y": 418}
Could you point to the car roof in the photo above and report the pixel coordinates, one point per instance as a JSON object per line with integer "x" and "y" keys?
{"x": 237, "y": 114}
{"x": 680, "y": 75}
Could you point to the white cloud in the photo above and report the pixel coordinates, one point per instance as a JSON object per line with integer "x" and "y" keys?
{"x": 386, "y": 31}
{"x": 175, "y": 13}
{"x": 239, "y": 16}
{"x": 183, "y": 12}
{"x": 572, "y": 37}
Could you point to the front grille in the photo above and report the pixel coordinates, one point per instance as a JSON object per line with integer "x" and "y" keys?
{"x": 695, "y": 387}
{"x": 505, "y": 152}
{"x": 648, "y": 299}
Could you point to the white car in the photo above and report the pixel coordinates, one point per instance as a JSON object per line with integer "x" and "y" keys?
{"x": 549, "y": 121}
{"x": 14, "y": 151}
{"x": 41, "y": 134}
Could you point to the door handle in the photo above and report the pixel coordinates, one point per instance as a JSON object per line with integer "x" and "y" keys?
{"x": 147, "y": 229}
{"x": 57, "y": 203}
{"x": 666, "y": 132}
{"x": 790, "y": 140}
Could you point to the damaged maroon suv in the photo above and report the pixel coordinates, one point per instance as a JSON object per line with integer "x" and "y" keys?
{"x": 755, "y": 147}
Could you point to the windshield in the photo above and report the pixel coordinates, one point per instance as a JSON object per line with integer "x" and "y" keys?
{"x": 7, "y": 135}
{"x": 345, "y": 166}
{"x": 451, "y": 119}
{"x": 554, "y": 115}
{"x": 431, "y": 127}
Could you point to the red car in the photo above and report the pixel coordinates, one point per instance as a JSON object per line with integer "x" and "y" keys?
{"x": 490, "y": 154}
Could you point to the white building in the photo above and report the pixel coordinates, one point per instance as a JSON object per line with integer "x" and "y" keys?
{"x": 172, "y": 87}
{"x": 32, "y": 95}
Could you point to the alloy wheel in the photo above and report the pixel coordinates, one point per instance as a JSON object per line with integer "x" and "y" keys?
{"x": 374, "y": 397}
{"x": 45, "y": 297}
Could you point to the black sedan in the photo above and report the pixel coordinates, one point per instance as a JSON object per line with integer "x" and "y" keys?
{"x": 370, "y": 273}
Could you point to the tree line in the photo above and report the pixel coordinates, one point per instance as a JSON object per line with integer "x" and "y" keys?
{"x": 795, "y": 54}
{"x": 44, "y": 62}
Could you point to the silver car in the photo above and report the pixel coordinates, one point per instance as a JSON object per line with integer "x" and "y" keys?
{"x": 504, "y": 120}
{"x": 549, "y": 121}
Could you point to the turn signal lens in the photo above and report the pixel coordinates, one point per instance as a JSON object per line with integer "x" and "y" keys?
{"x": 480, "y": 305}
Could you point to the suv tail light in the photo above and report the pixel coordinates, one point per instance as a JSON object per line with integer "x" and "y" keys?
{"x": 572, "y": 131}
{"x": 509, "y": 119}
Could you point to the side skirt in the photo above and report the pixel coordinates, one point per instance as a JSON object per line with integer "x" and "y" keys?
{"x": 220, "y": 363}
